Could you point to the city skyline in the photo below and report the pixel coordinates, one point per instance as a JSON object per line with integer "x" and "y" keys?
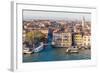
{"x": 30, "y": 15}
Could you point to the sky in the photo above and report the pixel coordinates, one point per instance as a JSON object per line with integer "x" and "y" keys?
{"x": 30, "y": 15}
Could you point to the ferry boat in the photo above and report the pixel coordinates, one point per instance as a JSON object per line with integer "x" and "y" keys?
{"x": 39, "y": 48}
{"x": 26, "y": 51}
{"x": 72, "y": 50}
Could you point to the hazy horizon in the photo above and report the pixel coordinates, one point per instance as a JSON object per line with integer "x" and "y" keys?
{"x": 31, "y": 15}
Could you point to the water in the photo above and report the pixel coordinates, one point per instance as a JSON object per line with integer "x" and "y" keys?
{"x": 56, "y": 54}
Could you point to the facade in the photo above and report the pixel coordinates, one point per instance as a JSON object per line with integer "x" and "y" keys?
{"x": 86, "y": 41}
{"x": 63, "y": 39}
{"x": 23, "y": 35}
{"x": 78, "y": 40}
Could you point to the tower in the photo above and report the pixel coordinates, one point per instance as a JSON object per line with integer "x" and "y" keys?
{"x": 83, "y": 22}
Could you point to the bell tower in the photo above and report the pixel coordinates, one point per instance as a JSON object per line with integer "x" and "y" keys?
{"x": 83, "y": 23}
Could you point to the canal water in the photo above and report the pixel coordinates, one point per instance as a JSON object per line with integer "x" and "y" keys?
{"x": 50, "y": 53}
{"x": 56, "y": 54}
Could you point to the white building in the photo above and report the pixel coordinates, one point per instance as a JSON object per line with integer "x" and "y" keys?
{"x": 86, "y": 41}
{"x": 63, "y": 39}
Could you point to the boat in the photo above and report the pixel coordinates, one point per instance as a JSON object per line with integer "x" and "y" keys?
{"x": 72, "y": 50}
{"x": 26, "y": 51}
{"x": 39, "y": 48}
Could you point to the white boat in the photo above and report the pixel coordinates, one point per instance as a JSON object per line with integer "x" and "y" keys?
{"x": 39, "y": 48}
{"x": 26, "y": 51}
{"x": 72, "y": 50}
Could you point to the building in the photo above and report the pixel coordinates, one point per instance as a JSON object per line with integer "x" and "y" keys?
{"x": 23, "y": 35}
{"x": 62, "y": 39}
{"x": 86, "y": 43}
{"x": 83, "y": 22}
{"x": 78, "y": 40}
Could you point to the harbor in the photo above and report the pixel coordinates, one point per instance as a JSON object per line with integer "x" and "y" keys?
{"x": 56, "y": 54}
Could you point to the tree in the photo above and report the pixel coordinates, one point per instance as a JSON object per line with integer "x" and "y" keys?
{"x": 30, "y": 36}
{"x": 35, "y": 37}
{"x": 39, "y": 36}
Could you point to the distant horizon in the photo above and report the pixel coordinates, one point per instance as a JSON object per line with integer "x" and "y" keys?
{"x": 55, "y": 20}
{"x": 48, "y": 15}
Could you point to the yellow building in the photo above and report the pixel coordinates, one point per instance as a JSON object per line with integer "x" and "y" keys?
{"x": 62, "y": 39}
{"x": 86, "y": 41}
{"x": 78, "y": 39}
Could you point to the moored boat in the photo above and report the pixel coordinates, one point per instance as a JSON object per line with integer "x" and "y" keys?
{"x": 72, "y": 50}
{"x": 39, "y": 48}
{"x": 26, "y": 51}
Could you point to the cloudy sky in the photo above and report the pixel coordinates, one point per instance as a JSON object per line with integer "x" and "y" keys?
{"x": 30, "y": 15}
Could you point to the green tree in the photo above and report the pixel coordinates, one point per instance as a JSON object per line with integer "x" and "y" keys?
{"x": 30, "y": 36}
{"x": 39, "y": 36}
